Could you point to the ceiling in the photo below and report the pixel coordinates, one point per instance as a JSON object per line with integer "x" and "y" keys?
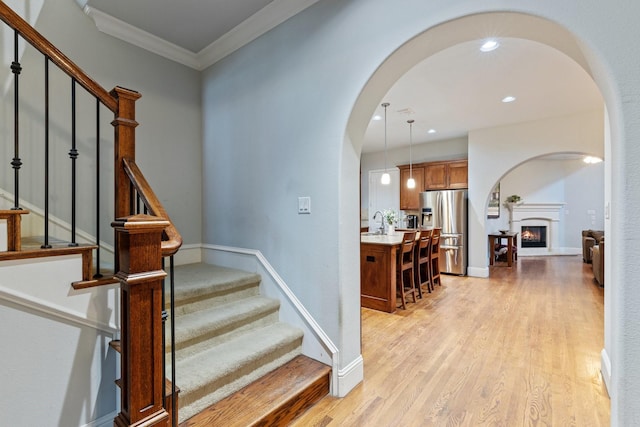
{"x": 453, "y": 91}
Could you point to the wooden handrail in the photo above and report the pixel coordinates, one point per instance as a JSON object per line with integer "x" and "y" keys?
{"x": 45, "y": 47}
{"x": 155, "y": 208}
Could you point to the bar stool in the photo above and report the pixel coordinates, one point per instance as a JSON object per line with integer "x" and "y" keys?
{"x": 405, "y": 268}
{"x": 434, "y": 265}
{"x": 423, "y": 261}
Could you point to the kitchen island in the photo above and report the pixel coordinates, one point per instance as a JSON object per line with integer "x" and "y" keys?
{"x": 378, "y": 270}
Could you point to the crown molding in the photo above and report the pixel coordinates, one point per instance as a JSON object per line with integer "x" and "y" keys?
{"x": 137, "y": 37}
{"x": 267, "y": 18}
{"x": 272, "y": 15}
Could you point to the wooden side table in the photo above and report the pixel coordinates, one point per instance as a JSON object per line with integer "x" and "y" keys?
{"x": 512, "y": 240}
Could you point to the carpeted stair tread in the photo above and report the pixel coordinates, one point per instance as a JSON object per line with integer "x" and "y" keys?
{"x": 223, "y": 321}
{"x": 202, "y": 286}
{"x": 195, "y": 281}
{"x": 210, "y": 375}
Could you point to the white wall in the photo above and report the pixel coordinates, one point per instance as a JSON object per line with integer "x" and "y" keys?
{"x": 577, "y": 184}
{"x": 276, "y": 113}
{"x": 494, "y": 152}
{"x": 57, "y": 366}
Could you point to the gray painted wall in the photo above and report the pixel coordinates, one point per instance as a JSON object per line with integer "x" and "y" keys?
{"x": 169, "y": 134}
{"x": 284, "y": 117}
{"x": 277, "y": 127}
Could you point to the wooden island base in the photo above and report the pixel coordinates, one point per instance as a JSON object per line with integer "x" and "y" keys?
{"x": 378, "y": 272}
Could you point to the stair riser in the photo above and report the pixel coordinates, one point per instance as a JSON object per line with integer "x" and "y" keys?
{"x": 210, "y": 338}
{"x": 207, "y": 301}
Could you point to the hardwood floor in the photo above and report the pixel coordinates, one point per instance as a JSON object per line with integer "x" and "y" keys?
{"x": 520, "y": 349}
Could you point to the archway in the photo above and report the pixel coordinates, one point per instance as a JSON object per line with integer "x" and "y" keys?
{"x": 461, "y": 30}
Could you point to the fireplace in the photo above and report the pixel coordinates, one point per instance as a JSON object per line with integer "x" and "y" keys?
{"x": 533, "y": 236}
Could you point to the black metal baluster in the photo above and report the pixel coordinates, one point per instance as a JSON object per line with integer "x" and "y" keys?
{"x": 73, "y": 155}
{"x": 16, "y": 163}
{"x": 46, "y": 244}
{"x": 98, "y": 274}
{"x": 137, "y": 202}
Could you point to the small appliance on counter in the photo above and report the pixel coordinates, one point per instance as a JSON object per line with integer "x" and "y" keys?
{"x": 412, "y": 221}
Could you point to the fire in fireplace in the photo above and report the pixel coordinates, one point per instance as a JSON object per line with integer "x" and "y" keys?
{"x": 534, "y": 236}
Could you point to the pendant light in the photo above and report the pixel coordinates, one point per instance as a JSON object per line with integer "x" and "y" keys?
{"x": 411, "y": 183}
{"x": 386, "y": 178}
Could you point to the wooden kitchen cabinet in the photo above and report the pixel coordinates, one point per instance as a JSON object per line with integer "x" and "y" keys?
{"x": 446, "y": 175}
{"x": 435, "y": 176}
{"x": 458, "y": 173}
{"x": 410, "y": 197}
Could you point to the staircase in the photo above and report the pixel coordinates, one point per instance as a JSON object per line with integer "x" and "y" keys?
{"x": 228, "y": 336}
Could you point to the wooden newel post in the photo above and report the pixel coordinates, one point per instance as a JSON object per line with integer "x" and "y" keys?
{"x": 140, "y": 274}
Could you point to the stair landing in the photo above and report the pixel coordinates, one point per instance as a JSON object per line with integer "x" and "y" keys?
{"x": 273, "y": 400}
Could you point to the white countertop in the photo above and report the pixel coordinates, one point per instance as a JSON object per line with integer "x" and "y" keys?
{"x": 382, "y": 239}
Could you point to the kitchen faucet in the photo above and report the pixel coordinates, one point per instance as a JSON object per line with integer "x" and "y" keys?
{"x": 381, "y": 221}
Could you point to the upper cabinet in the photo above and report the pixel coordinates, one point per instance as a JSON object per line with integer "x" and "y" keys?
{"x": 448, "y": 175}
{"x": 435, "y": 177}
{"x": 458, "y": 174}
{"x": 410, "y": 197}
{"x": 445, "y": 175}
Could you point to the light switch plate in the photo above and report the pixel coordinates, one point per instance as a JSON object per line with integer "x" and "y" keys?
{"x": 304, "y": 205}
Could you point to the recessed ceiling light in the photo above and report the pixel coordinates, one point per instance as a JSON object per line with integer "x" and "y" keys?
{"x": 592, "y": 160}
{"x": 431, "y": 131}
{"x": 377, "y": 117}
{"x": 508, "y": 99}
{"x": 489, "y": 45}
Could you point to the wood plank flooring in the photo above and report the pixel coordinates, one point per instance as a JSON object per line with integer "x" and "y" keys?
{"x": 519, "y": 349}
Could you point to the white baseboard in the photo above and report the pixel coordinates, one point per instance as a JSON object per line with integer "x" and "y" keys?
{"x": 605, "y": 370}
{"x": 188, "y": 254}
{"x": 349, "y": 377}
{"x": 105, "y": 421}
{"x": 478, "y": 271}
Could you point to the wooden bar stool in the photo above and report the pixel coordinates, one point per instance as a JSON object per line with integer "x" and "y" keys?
{"x": 405, "y": 268}
{"x": 423, "y": 261}
{"x": 434, "y": 265}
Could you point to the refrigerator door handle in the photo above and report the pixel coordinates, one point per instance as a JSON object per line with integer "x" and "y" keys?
{"x": 450, "y": 247}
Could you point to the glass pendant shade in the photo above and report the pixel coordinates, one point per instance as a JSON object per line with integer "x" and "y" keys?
{"x": 411, "y": 183}
{"x": 386, "y": 179}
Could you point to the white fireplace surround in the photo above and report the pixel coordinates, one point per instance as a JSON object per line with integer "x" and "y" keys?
{"x": 537, "y": 214}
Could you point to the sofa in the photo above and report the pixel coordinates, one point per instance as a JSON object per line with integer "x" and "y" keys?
{"x": 590, "y": 238}
{"x": 597, "y": 261}
{"x": 593, "y": 252}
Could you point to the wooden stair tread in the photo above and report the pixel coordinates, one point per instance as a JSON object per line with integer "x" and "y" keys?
{"x": 108, "y": 279}
{"x": 274, "y": 400}
{"x": 29, "y": 251}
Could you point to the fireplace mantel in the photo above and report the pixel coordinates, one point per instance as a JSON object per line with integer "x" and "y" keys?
{"x": 536, "y": 207}
{"x": 537, "y": 214}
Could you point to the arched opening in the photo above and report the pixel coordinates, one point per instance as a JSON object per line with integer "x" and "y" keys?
{"x": 481, "y": 180}
{"x": 554, "y": 186}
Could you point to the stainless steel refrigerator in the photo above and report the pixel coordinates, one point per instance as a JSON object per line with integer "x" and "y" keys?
{"x": 447, "y": 209}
